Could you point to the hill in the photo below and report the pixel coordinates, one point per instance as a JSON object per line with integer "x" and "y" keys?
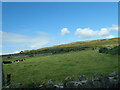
{"x": 83, "y": 58}
{"x": 93, "y": 43}
{"x": 75, "y": 46}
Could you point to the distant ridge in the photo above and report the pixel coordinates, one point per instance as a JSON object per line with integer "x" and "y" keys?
{"x": 112, "y": 41}
{"x": 89, "y": 43}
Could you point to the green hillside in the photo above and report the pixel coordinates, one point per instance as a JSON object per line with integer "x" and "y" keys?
{"x": 59, "y": 66}
{"x": 80, "y": 58}
{"x": 97, "y": 43}
{"x": 92, "y": 44}
{"x": 75, "y": 46}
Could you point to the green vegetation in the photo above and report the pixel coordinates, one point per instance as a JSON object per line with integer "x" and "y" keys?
{"x": 113, "y": 51}
{"x": 59, "y": 66}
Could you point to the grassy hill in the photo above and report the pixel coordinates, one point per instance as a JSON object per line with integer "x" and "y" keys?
{"x": 75, "y": 46}
{"x": 93, "y": 43}
{"x": 59, "y": 66}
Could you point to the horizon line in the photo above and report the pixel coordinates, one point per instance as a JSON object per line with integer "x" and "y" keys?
{"x": 61, "y": 44}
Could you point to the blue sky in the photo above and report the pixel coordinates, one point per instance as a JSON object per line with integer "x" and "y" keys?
{"x": 60, "y": 0}
{"x": 32, "y": 25}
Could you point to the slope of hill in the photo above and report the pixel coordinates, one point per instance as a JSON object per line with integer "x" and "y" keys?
{"x": 75, "y": 46}
{"x": 93, "y": 44}
{"x": 59, "y": 66}
{"x": 81, "y": 59}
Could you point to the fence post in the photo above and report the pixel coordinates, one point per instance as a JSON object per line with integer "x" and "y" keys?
{"x": 8, "y": 79}
{"x": 3, "y": 78}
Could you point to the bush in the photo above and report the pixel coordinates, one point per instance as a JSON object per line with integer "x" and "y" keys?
{"x": 113, "y": 51}
{"x": 103, "y": 50}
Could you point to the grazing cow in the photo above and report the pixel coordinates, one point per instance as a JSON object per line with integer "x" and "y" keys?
{"x": 7, "y": 62}
{"x": 21, "y": 60}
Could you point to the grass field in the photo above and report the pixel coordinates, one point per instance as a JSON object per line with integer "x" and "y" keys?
{"x": 57, "y": 67}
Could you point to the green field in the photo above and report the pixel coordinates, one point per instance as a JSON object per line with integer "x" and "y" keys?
{"x": 59, "y": 66}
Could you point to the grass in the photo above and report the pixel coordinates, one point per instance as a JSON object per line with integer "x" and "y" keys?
{"x": 57, "y": 67}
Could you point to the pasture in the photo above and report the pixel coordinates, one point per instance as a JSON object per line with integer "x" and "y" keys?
{"x": 59, "y": 66}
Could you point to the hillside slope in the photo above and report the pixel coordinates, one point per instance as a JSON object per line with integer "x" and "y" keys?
{"x": 59, "y": 66}
{"x": 93, "y": 43}
{"x": 63, "y": 48}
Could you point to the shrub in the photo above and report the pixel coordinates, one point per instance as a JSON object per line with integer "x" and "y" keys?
{"x": 113, "y": 51}
{"x": 103, "y": 50}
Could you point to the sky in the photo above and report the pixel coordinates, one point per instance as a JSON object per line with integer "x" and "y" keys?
{"x": 60, "y": 0}
{"x": 33, "y": 25}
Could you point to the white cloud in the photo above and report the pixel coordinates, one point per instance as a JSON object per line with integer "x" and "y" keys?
{"x": 17, "y": 51}
{"x": 32, "y": 42}
{"x": 89, "y": 33}
{"x": 114, "y": 27}
{"x": 110, "y": 36}
{"x": 39, "y": 42}
{"x": 13, "y": 42}
{"x": 65, "y": 31}
{"x": 14, "y": 38}
{"x": 103, "y": 33}
{"x": 85, "y": 33}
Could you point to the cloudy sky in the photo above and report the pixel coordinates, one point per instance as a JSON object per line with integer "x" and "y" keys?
{"x": 27, "y": 26}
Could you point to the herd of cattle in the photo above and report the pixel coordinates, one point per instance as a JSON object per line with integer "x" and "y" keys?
{"x": 8, "y": 62}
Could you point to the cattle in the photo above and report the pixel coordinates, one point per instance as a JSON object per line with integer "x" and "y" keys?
{"x": 7, "y": 62}
{"x": 16, "y": 60}
{"x": 19, "y": 60}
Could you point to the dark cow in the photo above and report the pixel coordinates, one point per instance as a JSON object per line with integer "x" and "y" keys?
{"x": 7, "y": 62}
{"x": 16, "y": 60}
